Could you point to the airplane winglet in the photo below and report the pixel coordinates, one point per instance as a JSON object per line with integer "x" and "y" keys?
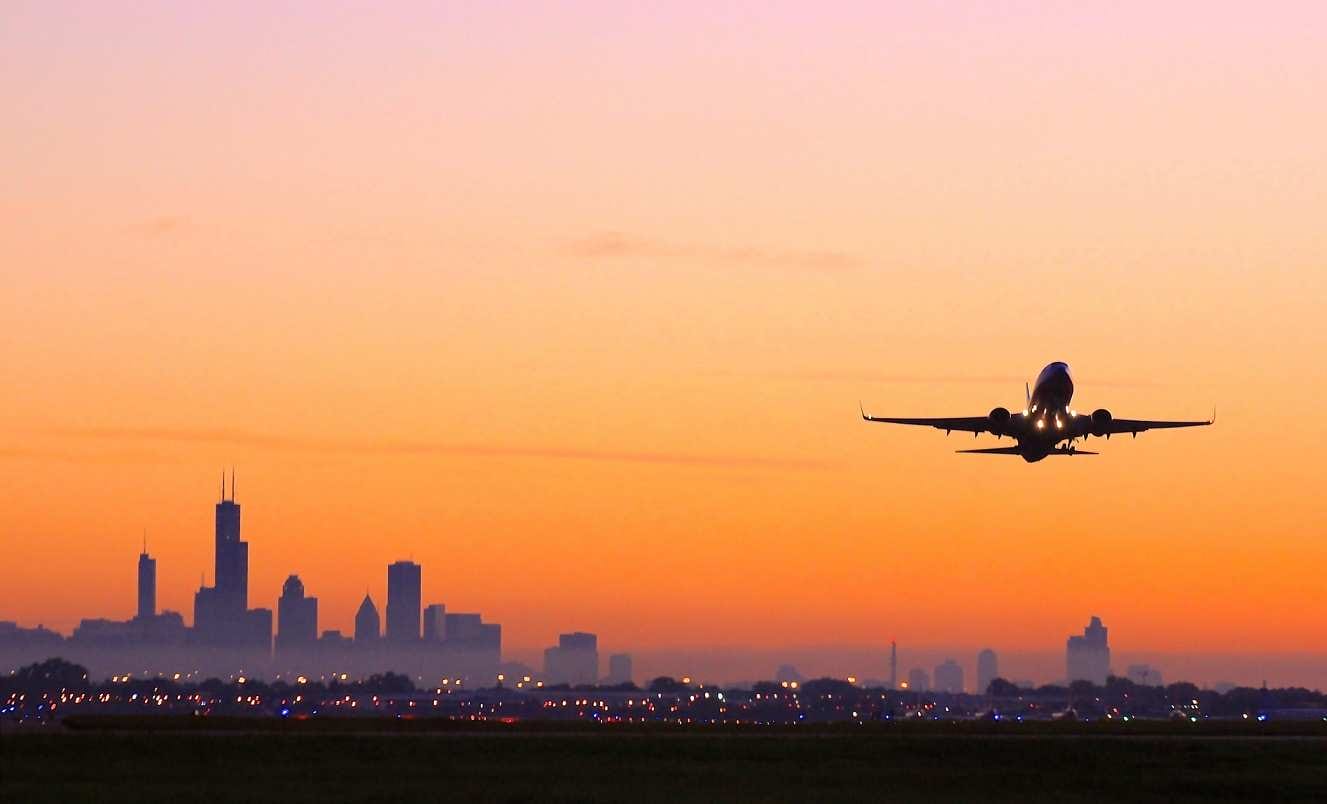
{"x": 1213, "y": 419}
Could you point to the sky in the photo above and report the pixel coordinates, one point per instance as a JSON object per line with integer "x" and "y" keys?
{"x": 574, "y": 304}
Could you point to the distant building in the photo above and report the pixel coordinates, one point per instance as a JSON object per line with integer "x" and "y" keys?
{"x": 461, "y": 627}
{"x": 334, "y": 640}
{"x": 366, "y": 622}
{"x": 1087, "y": 657}
{"x": 949, "y": 677}
{"x": 788, "y": 673}
{"x": 919, "y": 680}
{"x": 988, "y": 669}
{"x": 221, "y": 611}
{"x": 574, "y": 660}
{"x": 893, "y": 665}
{"x": 1145, "y": 675}
{"x": 403, "y": 602}
{"x": 435, "y": 622}
{"x": 619, "y": 669}
{"x": 147, "y": 585}
{"x": 297, "y": 617}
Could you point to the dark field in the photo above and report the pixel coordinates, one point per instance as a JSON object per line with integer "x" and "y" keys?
{"x": 887, "y": 764}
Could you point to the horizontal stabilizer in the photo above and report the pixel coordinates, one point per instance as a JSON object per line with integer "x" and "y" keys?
{"x": 1015, "y": 451}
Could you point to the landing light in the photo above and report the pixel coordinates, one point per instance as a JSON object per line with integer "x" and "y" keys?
{"x": 1041, "y": 424}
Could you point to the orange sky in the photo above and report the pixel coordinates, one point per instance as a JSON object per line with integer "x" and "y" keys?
{"x": 574, "y": 306}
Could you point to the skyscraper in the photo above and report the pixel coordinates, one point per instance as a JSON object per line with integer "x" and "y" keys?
{"x": 574, "y": 660}
{"x": 988, "y": 669}
{"x": 221, "y": 611}
{"x": 366, "y": 622}
{"x": 918, "y": 680}
{"x": 619, "y": 668}
{"x": 147, "y": 585}
{"x": 435, "y": 622}
{"x": 232, "y": 555}
{"x": 949, "y": 677}
{"x": 1087, "y": 657}
{"x": 893, "y": 665}
{"x": 403, "y": 600}
{"x": 297, "y": 617}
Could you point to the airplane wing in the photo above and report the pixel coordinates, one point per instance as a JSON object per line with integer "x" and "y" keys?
{"x": 1135, "y": 426}
{"x": 964, "y": 424}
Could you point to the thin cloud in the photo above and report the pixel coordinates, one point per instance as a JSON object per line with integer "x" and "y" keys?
{"x": 619, "y": 245}
{"x": 883, "y": 378}
{"x": 158, "y": 227}
{"x": 242, "y": 438}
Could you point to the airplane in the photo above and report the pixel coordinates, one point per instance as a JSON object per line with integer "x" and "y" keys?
{"x": 1047, "y": 425}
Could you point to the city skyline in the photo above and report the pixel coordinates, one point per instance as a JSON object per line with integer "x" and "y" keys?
{"x": 295, "y": 634}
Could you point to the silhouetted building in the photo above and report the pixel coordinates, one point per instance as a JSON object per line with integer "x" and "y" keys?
{"x": 1145, "y": 675}
{"x": 1087, "y": 657}
{"x": 366, "y": 622}
{"x": 918, "y": 680}
{"x": 619, "y": 669}
{"x": 297, "y": 617}
{"x": 949, "y": 677}
{"x": 462, "y": 627}
{"x": 403, "y": 601}
{"x": 893, "y": 665}
{"x": 147, "y": 585}
{"x": 988, "y": 669}
{"x": 12, "y": 636}
{"x": 221, "y": 611}
{"x": 574, "y": 660}
{"x": 435, "y": 622}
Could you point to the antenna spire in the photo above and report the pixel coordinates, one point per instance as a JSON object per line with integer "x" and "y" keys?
{"x": 232, "y": 483}
{"x": 223, "y": 485}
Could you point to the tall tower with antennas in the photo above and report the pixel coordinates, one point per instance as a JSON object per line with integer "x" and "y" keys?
{"x": 147, "y": 584}
{"x": 232, "y": 554}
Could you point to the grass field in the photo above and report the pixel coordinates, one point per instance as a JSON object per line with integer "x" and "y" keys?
{"x": 38, "y": 764}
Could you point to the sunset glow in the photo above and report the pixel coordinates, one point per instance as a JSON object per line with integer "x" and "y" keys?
{"x": 574, "y": 305}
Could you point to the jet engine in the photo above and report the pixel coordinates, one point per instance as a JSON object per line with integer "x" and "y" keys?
{"x": 999, "y": 418}
{"x": 1101, "y": 420}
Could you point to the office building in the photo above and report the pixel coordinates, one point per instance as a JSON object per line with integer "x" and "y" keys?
{"x": 297, "y": 617}
{"x": 619, "y": 669}
{"x": 1087, "y": 657}
{"x": 221, "y": 611}
{"x": 147, "y": 585}
{"x": 574, "y": 660}
{"x": 949, "y": 677}
{"x": 366, "y": 622}
{"x": 988, "y": 669}
{"x": 919, "y": 680}
{"x": 435, "y": 622}
{"x": 403, "y": 602}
